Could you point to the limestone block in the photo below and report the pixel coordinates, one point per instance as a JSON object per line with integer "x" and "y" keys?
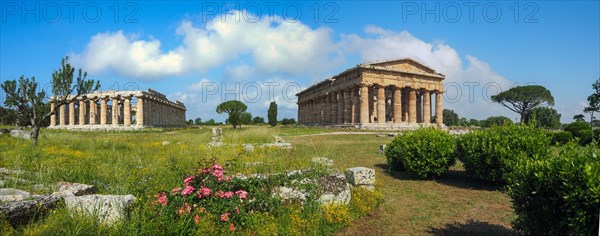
{"x": 214, "y": 131}
{"x": 334, "y": 189}
{"x": 17, "y": 133}
{"x": 18, "y": 213}
{"x": 286, "y": 194}
{"x": 360, "y": 176}
{"x": 74, "y": 189}
{"x": 164, "y": 143}
{"x": 382, "y": 148}
{"x": 12, "y": 195}
{"x": 248, "y": 148}
{"x": 106, "y": 208}
{"x": 322, "y": 161}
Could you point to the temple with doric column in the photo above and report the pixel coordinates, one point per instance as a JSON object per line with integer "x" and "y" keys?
{"x": 117, "y": 110}
{"x": 392, "y": 94}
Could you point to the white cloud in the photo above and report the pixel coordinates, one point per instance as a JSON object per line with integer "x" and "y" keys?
{"x": 274, "y": 45}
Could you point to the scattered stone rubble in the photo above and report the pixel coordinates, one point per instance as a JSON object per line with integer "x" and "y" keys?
{"x": 19, "y": 207}
{"x": 19, "y": 133}
{"x": 382, "y": 148}
{"x": 361, "y": 177}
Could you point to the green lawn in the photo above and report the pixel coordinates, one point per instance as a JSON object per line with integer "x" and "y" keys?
{"x": 137, "y": 163}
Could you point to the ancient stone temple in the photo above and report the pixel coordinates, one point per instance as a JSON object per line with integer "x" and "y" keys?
{"x": 115, "y": 110}
{"x": 392, "y": 94}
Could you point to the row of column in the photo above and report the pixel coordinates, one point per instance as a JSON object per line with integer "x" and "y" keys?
{"x": 372, "y": 104}
{"x": 148, "y": 112}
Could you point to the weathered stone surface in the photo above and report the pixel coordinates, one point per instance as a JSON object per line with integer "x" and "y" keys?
{"x": 74, "y": 189}
{"x": 287, "y": 194}
{"x": 12, "y": 195}
{"x": 360, "y": 176}
{"x": 323, "y": 161}
{"x": 392, "y": 134}
{"x": 215, "y": 144}
{"x": 164, "y": 143}
{"x": 248, "y": 148}
{"x": 334, "y": 189}
{"x": 382, "y": 148}
{"x": 278, "y": 145}
{"x": 107, "y": 208}
{"x": 17, "y": 133}
{"x": 214, "y": 131}
{"x": 278, "y": 139}
{"x": 18, "y": 213}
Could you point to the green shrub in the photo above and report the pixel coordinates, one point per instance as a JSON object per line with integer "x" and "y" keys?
{"x": 577, "y": 126}
{"x": 585, "y": 137}
{"x": 489, "y": 154}
{"x": 557, "y": 195}
{"x": 560, "y": 138}
{"x": 426, "y": 152}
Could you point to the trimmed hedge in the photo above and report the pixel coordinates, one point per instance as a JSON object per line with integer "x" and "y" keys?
{"x": 560, "y": 137}
{"x": 557, "y": 195}
{"x": 489, "y": 154}
{"x": 425, "y": 153}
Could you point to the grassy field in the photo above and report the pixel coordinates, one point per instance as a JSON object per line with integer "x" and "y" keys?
{"x": 138, "y": 163}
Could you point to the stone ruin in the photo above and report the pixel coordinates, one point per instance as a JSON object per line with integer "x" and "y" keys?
{"x": 18, "y": 207}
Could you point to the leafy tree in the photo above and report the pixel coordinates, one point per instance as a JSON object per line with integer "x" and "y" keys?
{"x": 210, "y": 122}
{"x": 495, "y": 121}
{"x": 544, "y": 117}
{"x": 579, "y": 118}
{"x": 245, "y": 118}
{"x": 474, "y": 122}
{"x": 190, "y": 122}
{"x": 258, "y": 120}
{"x": 23, "y": 95}
{"x": 272, "y": 114}
{"x": 450, "y": 117}
{"x": 594, "y": 102}
{"x": 234, "y": 108}
{"x": 522, "y": 99}
{"x": 198, "y": 121}
{"x": 288, "y": 121}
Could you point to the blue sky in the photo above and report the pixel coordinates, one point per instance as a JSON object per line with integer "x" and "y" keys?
{"x": 203, "y": 52}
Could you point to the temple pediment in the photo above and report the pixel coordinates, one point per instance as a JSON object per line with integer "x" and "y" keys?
{"x": 406, "y": 65}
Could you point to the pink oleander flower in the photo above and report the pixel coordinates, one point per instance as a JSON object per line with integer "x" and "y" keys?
{"x": 188, "y": 179}
{"x": 162, "y": 198}
{"x": 228, "y": 178}
{"x": 206, "y": 170}
{"x": 241, "y": 194}
{"x": 184, "y": 210}
{"x": 197, "y": 219}
{"x": 218, "y": 174}
{"x": 205, "y": 191}
{"x": 175, "y": 190}
{"x": 217, "y": 167}
{"x": 231, "y": 227}
{"x": 227, "y": 195}
{"x": 187, "y": 191}
{"x": 237, "y": 210}
{"x": 225, "y": 216}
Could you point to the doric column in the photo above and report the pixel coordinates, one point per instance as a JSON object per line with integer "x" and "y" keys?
{"x": 419, "y": 107}
{"x": 340, "y": 107}
{"x": 115, "y": 110}
{"x": 127, "y": 111}
{"x": 439, "y": 119}
{"x": 103, "y": 110}
{"x": 397, "y": 105}
{"x": 72, "y": 112}
{"x": 412, "y": 106}
{"x": 82, "y": 110}
{"x": 318, "y": 110}
{"x": 61, "y": 115}
{"x": 353, "y": 102}
{"x": 380, "y": 104}
{"x": 347, "y": 106}
{"x": 333, "y": 107}
{"x": 426, "y": 107}
{"x": 93, "y": 111}
{"x": 364, "y": 104}
{"x": 150, "y": 112}
{"x": 405, "y": 105}
{"x": 53, "y": 116}
{"x": 139, "y": 114}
